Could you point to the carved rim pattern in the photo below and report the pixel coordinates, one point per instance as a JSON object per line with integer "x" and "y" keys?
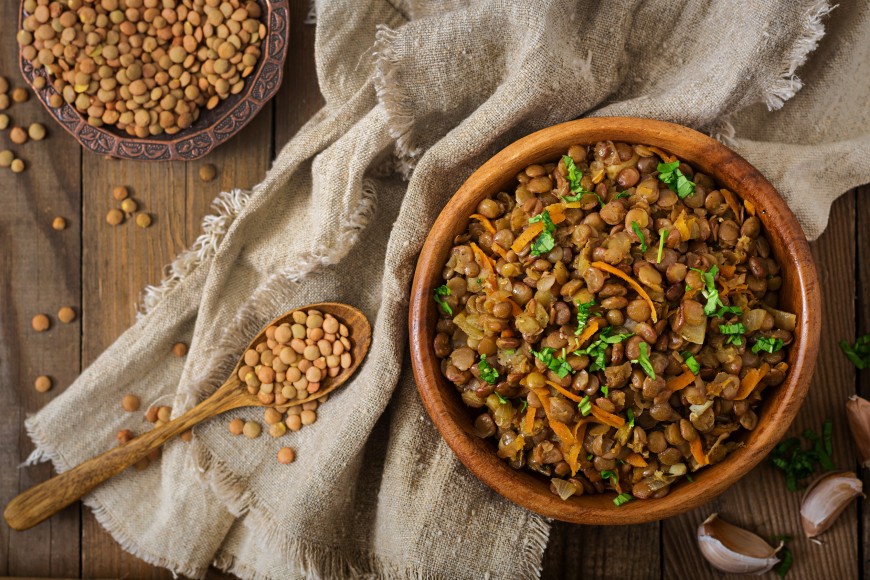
{"x": 210, "y": 130}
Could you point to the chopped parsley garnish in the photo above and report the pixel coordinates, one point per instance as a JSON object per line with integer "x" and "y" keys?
{"x": 597, "y": 350}
{"x": 501, "y": 399}
{"x": 622, "y": 498}
{"x": 786, "y": 559}
{"x": 639, "y": 233}
{"x": 558, "y": 365}
{"x": 611, "y": 475}
{"x": 714, "y": 306}
{"x": 574, "y": 176}
{"x": 606, "y": 390}
{"x": 858, "y": 353}
{"x": 440, "y": 291}
{"x": 583, "y": 312}
{"x": 690, "y": 478}
{"x": 545, "y": 240}
{"x": 662, "y": 236}
{"x": 644, "y": 362}
{"x": 487, "y": 373}
{"x": 585, "y": 405}
{"x": 798, "y": 463}
{"x": 621, "y": 194}
{"x": 734, "y": 332}
{"x": 523, "y": 405}
{"x": 630, "y": 413}
{"x": 670, "y": 174}
{"x": 691, "y": 362}
{"x": 510, "y": 352}
{"x": 766, "y": 344}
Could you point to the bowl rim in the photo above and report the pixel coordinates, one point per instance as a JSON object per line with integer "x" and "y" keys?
{"x": 779, "y": 408}
{"x": 259, "y": 88}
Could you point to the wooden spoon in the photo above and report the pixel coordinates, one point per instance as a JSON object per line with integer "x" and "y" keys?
{"x": 47, "y": 498}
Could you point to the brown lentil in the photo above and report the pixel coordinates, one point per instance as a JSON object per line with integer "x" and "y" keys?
{"x": 18, "y": 135}
{"x": 526, "y": 298}
{"x": 207, "y": 172}
{"x": 286, "y": 456}
{"x": 40, "y": 323}
{"x": 130, "y": 403}
{"x": 143, "y": 220}
{"x": 252, "y": 430}
{"x": 20, "y": 94}
{"x": 58, "y": 224}
{"x": 6, "y": 158}
{"x": 66, "y": 314}
{"x": 236, "y": 426}
{"x": 120, "y": 193}
{"x": 36, "y": 132}
{"x": 4, "y": 121}
{"x": 129, "y": 206}
{"x": 114, "y": 217}
{"x": 17, "y": 166}
{"x": 179, "y": 349}
{"x": 42, "y": 384}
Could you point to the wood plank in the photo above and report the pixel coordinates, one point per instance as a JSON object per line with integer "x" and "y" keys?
{"x": 760, "y": 501}
{"x": 599, "y": 552}
{"x": 41, "y": 273}
{"x": 862, "y": 322}
{"x": 299, "y": 96}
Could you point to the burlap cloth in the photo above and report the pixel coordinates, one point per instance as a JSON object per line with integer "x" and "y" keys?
{"x": 427, "y": 90}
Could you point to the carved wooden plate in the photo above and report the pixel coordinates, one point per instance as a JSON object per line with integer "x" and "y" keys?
{"x": 210, "y": 130}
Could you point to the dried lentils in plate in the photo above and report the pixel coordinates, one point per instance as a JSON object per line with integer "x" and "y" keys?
{"x": 613, "y": 319}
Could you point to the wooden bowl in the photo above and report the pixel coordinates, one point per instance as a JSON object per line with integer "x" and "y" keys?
{"x": 210, "y": 130}
{"x": 800, "y": 294}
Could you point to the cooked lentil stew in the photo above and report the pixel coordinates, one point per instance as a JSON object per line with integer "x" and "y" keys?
{"x": 614, "y": 320}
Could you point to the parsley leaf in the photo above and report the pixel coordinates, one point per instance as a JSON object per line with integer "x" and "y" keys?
{"x": 798, "y": 462}
{"x": 440, "y": 291}
{"x": 583, "y": 312}
{"x": 598, "y": 349}
{"x": 734, "y": 332}
{"x": 574, "y": 175}
{"x": 585, "y": 405}
{"x": 558, "y": 365}
{"x": 501, "y": 399}
{"x": 606, "y": 390}
{"x": 670, "y": 174}
{"x": 766, "y": 344}
{"x": 786, "y": 559}
{"x": 859, "y": 353}
{"x": 691, "y": 362}
{"x": 662, "y": 236}
{"x": 630, "y": 413}
{"x": 644, "y": 362}
{"x": 545, "y": 240}
{"x": 611, "y": 475}
{"x": 714, "y": 305}
{"x": 622, "y": 499}
{"x": 523, "y": 405}
{"x": 639, "y": 233}
{"x": 621, "y": 194}
{"x": 487, "y": 373}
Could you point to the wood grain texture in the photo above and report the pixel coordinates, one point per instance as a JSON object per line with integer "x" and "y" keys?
{"x": 862, "y": 327}
{"x": 800, "y": 294}
{"x": 40, "y": 273}
{"x": 761, "y": 501}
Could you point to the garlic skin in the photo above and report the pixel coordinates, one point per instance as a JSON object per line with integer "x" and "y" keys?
{"x": 732, "y": 549}
{"x": 858, "y": 415}
{"x": 826, "y": 499}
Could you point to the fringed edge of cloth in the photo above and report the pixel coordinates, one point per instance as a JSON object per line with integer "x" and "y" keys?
{"x": 788, "y": 83}
{"x": 106, "y": 518}
{"x": 226, "y": 207}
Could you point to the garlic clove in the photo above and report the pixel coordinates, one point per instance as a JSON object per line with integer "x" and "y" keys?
{"x": 825, "y": 500}
{"x": 858, "y": 415}
{"x": 733, "y": 549}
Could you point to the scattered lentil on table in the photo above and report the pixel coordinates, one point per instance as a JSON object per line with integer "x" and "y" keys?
{"x": 286, "y": 456}
{"x": 614, "y": 317}
{"x": 58, "y": 223}
{"x": 120, "y": 193}
{"x": 66, "y": 314}
{"x": 4, "y": 121}
{"x": 147, "y": 69}
{"x": 42, "y": 384}
{"x": 143, "y": 220}
{"x": 130, "y": 403}
{"x": 207, "y": 172}
{"x": 18, "y": 135}
{"x": 179, "y": 349}
{"x": 40, "y": 323}
{"x": 17, "y": 166}
{"x": 114, "y": 217}
{"x": 129, "y": 206}
{"x": 20, "y": 95}
{"x": 36, "y": 131}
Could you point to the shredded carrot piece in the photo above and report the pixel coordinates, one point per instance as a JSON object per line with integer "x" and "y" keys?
{"x": 557, "y": 212}
{"x": 726, "y": 289}
{"x": 529, "y": 423}
{"x": 598, "y": 177}
{"x": 484, "y": 221}
{"x": 666, "y": 157}
{"x": 727, "y": 270}
{"x": 698, "y": 451}
{"x": 750, "y": 207}
{"x": 636, "y": 460}
{"x": 579, "y": 429}
{"x": 527, "y": 236}
{"x": 485, "y": 262}
{"x": 573, "y": 205}
{"x": 682, "y": 226}
{"x": 562, "y": 432}
{"x": 732, "y": 203}
{"x": 544, "y": 396}
{"x": 681, "y": 382}
{"x": 750, "y": 381}
{"x": 591, "y": 328}
{"x": 637, "y": 287}
{"x": 607, "y": 418}
{"x": 571, "y": 458}
{"x": 565, "y": 392}
{"x": 499, "y": 250}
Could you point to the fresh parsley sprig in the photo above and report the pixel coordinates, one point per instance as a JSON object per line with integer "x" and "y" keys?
{"x": 691, "y": 362}
{"x": 630, "y": 413}
{"x": 799, "y": 462}
{"x": 858, "y": 353}
{"x": 545, "y": 241}
{"x": 585, "y": 406}
{"x": 622, "y": 498}
{"x": 574, "y": 176}
{"x": 597, "y": 351}
{"x": 440, "y": 292}
{"x": 662, "y": 237}
{"x": 714, "y": 305}
{"x": 644, "y": 362}
{"x": 556, "y": 364}
{"x": 670, "y": 174}
{"x": 487, "y": 373}
{"x": 734, "y": 332}
{"x": 635, "y": 227}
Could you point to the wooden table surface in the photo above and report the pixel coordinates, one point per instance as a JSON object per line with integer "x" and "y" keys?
{"x": 100, "y": 271}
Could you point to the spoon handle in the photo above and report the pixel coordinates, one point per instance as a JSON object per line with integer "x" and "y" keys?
{"x": 49, "y": 497}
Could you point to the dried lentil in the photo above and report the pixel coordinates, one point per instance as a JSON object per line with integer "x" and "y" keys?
{"x": 40, "y": 323}
{"x": 66, "y": 314}
{"x": 42, "y": 384}
{"x": 58, "y": 223}
{"x": 130, "y": 403}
